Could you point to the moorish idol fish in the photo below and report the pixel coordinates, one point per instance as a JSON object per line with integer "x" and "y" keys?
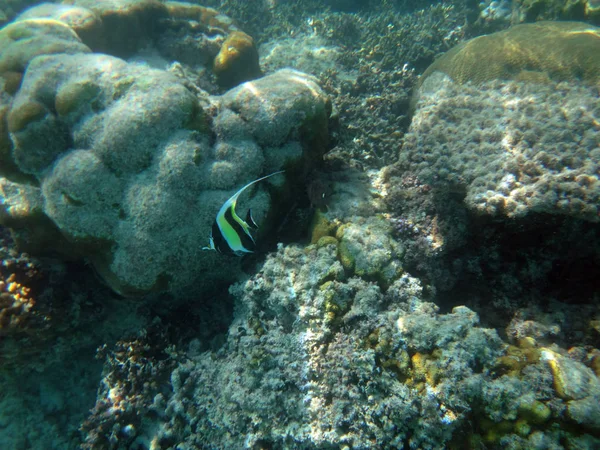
{"x": 230, "y": 234}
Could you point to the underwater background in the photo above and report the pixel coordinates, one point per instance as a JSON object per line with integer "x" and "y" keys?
{"x": 427, "y": 268}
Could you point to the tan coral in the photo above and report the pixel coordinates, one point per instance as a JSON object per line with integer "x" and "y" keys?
{"x": 83, "y": 21}
{"x": 237, "y": 61}
{"x": 24, "y": 40}
{"x": 533, "y": 52}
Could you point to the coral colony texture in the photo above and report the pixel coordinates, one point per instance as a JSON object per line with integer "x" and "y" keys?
{"x": 510, "y": 155}
{"x": 426, "y": 267}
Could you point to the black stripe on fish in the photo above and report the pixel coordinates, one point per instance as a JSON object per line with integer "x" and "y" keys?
{"x": 219, "y": 241}
{"x": 250, "y": 220}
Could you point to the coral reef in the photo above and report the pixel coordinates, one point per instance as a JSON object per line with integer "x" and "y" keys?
{"x": 49, "y": 316}
{"x": 513, "y": 148}
{"x": 532, "y": 10}
{"x": 475, "y": 223}
{"x": 315, "y": 358}
{"x": 18, "y": 276}
{"x": 99, "y": 155}
{"x": 541, "y": 51}
{"x": 118, "y": 415}
{"x": 43, "y": 301}
{"x": 369, "y": 74}
{"x": 180, "y": 31}
{"x": 494, "y": 15}
{"x": 446, "y": 301}
{"x": 307, "y": 350}
{"x": 149, "y": 160}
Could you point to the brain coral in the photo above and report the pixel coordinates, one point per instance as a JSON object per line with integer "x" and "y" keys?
{"x": 513, "y": 148}
{"x": 180, "y": 31}
{"x": 127, "y": 24}
{"x": 24, "y": 40}
{"x": 131, "y": 166}
{"x": 536, "y": 51}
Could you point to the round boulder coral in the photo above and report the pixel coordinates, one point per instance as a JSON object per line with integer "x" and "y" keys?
{"x": 131, "y": 171}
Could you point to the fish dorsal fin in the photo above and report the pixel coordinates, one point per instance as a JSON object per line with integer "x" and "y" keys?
{"x": 235, "y": 196}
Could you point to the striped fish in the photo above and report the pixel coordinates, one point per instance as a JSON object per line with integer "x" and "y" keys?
{"x": 230, "y": 234}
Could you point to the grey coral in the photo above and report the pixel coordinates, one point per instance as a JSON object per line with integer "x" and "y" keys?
{"x": 513, "y": 148}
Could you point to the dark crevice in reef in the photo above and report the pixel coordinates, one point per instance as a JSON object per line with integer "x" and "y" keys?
{"x": 540, "y": 261}
{"x": 205, "y": 319}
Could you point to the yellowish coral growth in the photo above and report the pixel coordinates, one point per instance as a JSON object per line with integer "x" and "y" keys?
{"x": 237, "y": 60}
{"x": 535, "y": 52}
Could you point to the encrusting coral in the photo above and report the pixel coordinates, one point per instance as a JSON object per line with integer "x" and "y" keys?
{"x": 513, "y": 148}
{"x": 315, "y": 358}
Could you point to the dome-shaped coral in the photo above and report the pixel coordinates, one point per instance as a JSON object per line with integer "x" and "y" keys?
{"x": 560, "y": 51}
